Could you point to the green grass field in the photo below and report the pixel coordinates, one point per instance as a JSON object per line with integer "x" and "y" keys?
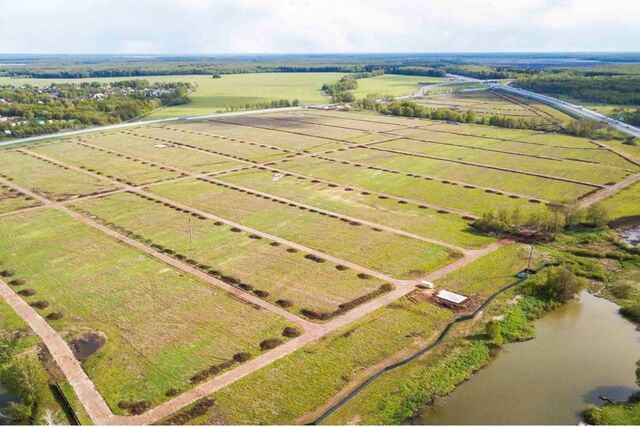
{"x": 293, "y": 386}
{"x": 625, "y": 203}
{"x": 285, "y": 276}
{"x": 47, "y": 179}
{"x": 354, "y": 242}
{"x": 125, "y": 170}
{"x": 392, "y": 85}
{"x": 161, "y": 326}
{"x": 11, "y": 200}
{"x": 232, "y": 90}
{"x": 449, "y": 228}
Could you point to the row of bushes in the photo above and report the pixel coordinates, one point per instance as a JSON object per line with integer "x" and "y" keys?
{"x": 199, "y": 409}
{"x": 147, "y": 163}
{"x": 184, "y": 144}
{"x": 241, "y": 141}
{"x": 412, "y": 175}
{"x": 344, "y": 307}
{"x": 29, "y": 292}
{"x": 241, "y": 357}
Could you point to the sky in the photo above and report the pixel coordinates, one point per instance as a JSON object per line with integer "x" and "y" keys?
{"x": 317, "y": 26}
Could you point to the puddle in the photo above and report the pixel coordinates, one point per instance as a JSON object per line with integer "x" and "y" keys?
{"x": 86, "y": 345}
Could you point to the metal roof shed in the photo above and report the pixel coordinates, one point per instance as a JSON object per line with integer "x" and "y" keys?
{"x": 451, "y": 297}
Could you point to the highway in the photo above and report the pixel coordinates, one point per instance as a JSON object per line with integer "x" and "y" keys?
{"x": 145, "y": 122}
{"x": 568, "y": 107}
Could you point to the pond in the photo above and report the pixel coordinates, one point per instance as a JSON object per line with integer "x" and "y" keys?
{"x": 5, "y": 399}
{"x": 582, "y": 351}
{"x": 631, "y": 235}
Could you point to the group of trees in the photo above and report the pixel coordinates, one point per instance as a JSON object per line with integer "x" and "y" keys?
{"x": 341, "y": 90}
{"x": 280, "y": 103}
{"x": 542, "y": 223}
{"x": 29, "y": 110}
{"x": 413, "y": 109}
{"x": 624, "y": 89}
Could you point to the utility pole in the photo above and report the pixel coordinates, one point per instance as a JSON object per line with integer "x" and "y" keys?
{"x": 533, "y": 242}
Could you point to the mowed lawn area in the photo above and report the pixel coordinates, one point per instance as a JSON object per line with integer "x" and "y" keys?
{"x": 161, "y": 326}
{"x": 392, "y": 85}
{"x": 487, "y": 103}
{"x": 396, "y": 255}
{"x": 625, "y": 203}
{"x": 47, "y": 179}
{"x": 231, "y": 90}
{"x": 120, "y": 168}
{"x": 447, "y": 227}
{"x": 260, "y": 266}
{"x": 12, "y": 200}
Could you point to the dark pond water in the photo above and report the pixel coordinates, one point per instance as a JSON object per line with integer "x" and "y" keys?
{"x": 582, "y": 351}
{"x": 631, "y": 235}
{"x": 5, "y": 399}
{"x": 86, "y": 345}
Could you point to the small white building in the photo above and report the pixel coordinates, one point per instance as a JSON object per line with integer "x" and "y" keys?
{"x": 451, "y": 299}
{"x": 7, "y": 132}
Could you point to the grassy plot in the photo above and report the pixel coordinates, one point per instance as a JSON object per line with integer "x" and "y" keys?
{"x": 283, "y": 275}
{"x": 161, "y": 326}
{"x": 527, "y": 185}
{"x": 487, "y": 103}
{"x": 340, "y": 120}
{"x": 392, "y": 85}
{"x": 366, "y": 116}
{"x": 272, "y": 138}
{"x": 292, "y": 125}
{"x": 247, "y": 151}
{"x": 591, "y": 154}
{"x": 489, "y": 273}
{"x": 378, "y": 250}
{"x": 167, "y": 154}
{"x": 624, "y": 203}
{"x": 303, "y": 381}
{"x": 112, "y": 166}
{"x": 525, "y": 135}
{"x": 48, "y": 180}
{"x": 587, "y": 172}
{"x": 450, "y": 228}
{"x": 12, "y": 200}
{"x": 471, "y": 200}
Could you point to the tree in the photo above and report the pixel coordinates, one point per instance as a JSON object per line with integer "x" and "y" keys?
{"x": 597, "y": 215}
{"x": 562, "y": 285}
{"x": 494, "y": 332}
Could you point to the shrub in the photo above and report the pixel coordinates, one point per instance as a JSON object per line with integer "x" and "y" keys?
{"x": 292, "y": 250}
{"x": 39, "y": 304}
{"x": 26, "y": 292}
{"x": 290, "y": 332}
{"x": 260, "y": 293}
{"x": 562, "y": 284}
{"x": 55, "y": 316}
{"x": 314, "y": 258}
{"x": 284, "y": 303}
{"x": 17, "y": 282}
{"x": 172, "y": 392}
{"x": 7, "y": 273}
{"x": 198, "y": 410}
{"x": 341, "y": 267}
{"x": 270, "y": 343}
{"x": 363, "y": 276}
{"x": 241, "y": 357}
{"x": 245, "y": 286}
{"x": 631, "y": 311}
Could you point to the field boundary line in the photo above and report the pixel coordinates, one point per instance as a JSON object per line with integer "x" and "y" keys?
{"x": 209, "y": 178}
{"x": 486, "y": 166}
{"x": 434, "y": 178}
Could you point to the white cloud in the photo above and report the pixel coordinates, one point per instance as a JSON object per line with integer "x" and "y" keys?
{"x": 296, "y": 26}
